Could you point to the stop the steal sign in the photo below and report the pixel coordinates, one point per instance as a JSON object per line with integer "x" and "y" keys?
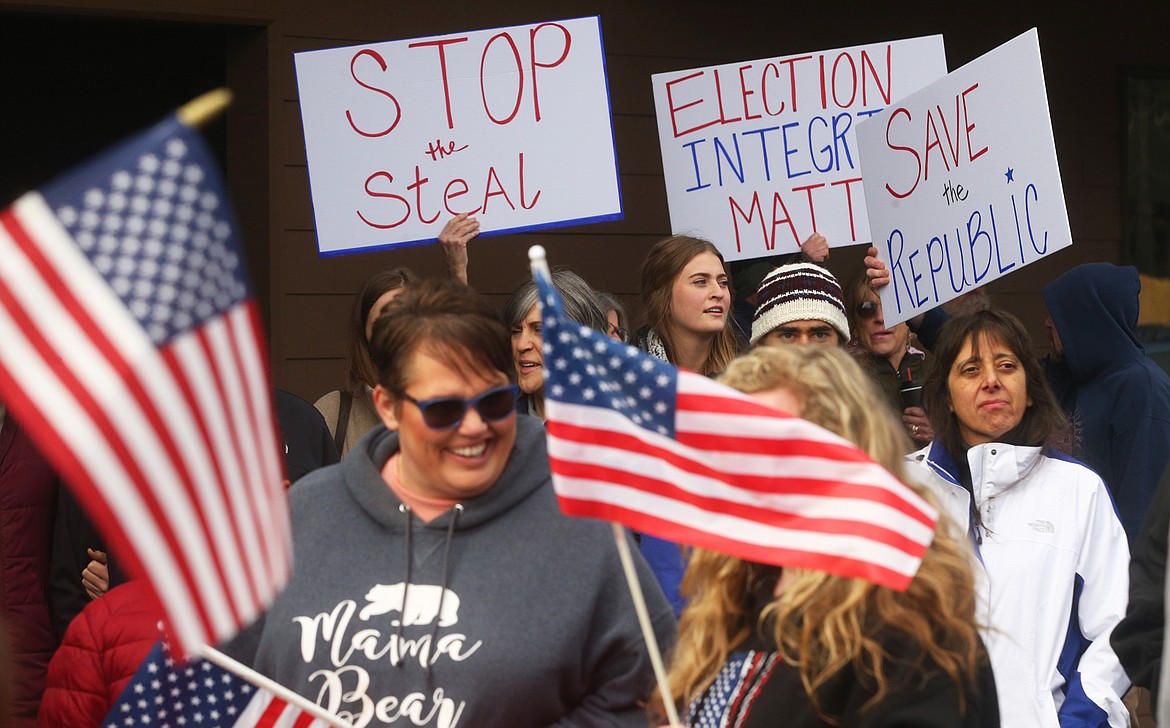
{"x": 511, "y": 125}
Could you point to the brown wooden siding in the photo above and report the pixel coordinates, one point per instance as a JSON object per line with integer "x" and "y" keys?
{"x": 306, "y": 298}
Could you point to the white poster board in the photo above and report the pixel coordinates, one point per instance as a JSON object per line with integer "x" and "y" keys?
{"x": 961, "y": 180}
{"x": 759, "y": 155}
{"x": 511, "y": 125}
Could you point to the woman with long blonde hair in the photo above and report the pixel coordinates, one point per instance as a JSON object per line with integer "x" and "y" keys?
{"x": 759, "y": 645}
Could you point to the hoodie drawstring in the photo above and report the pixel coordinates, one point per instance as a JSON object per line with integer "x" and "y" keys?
{"x": 405, "y": 510}
{"x": 458, "y": 510}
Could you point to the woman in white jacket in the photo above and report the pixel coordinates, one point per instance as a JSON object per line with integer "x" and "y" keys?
{"x": 1052, "y": 552}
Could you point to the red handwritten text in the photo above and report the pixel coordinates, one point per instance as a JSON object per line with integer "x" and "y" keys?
{"x": 547, "y": 47}
{"x": 354, "y": 74}
{"x": 394, "y": 209}
{"x": 948, "y": 151}
{"x": 437, "y": 150}
{"x": 754, "y": 219}
{"x": 707, "y": 97}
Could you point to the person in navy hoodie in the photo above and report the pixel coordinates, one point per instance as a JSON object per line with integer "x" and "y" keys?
{"x": 1117, "y": 397}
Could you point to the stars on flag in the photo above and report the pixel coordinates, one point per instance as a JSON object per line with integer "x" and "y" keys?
{"x": 195, "y": 693}
{"x": 161, "y": 238}
{"x": 589, "y": 369}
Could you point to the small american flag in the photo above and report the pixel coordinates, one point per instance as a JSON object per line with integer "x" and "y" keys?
{"x": 674, "y": 454}
{"x": 169, "y": 693}
{"x": 132, "y": 352}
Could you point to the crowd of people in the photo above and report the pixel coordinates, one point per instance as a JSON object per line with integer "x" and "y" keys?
{"x": 437, "y": 582}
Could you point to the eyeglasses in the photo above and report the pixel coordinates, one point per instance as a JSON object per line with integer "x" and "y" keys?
{"x": 446, "y": 413}
{"x": 866, "y": 309}
{"x": 619, "y": 332}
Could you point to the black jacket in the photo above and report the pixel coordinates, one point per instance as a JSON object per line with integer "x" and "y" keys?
{"x": 1137, "y": 639}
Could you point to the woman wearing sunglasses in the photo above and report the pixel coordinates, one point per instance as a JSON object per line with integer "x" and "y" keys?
{"x": 436, "y": 579}
{"x": 886, "y": 353}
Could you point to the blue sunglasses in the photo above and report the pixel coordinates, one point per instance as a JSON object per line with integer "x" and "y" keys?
{"x": 446, "y": 413}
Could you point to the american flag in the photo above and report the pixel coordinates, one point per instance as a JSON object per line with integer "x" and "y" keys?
{"x": 169, "y": 693}
{"x": 132, "y": 352}
{"x": 674, "y": 454}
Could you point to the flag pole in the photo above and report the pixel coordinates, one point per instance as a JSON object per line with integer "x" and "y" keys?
{"x": 197, "y": 113}
{"x": 202, "y": 109}
{"x": 623, "y": 547}
{"x": 538, "y": 262}
{"x": 246, "y": 673}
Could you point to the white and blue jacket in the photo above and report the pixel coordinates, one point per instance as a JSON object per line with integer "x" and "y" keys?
{"x": 1053, "y": 580}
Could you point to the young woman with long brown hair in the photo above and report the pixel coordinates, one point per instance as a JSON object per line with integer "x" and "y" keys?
{"x": 686, "y": 300}
{"x": 687, "y": 304}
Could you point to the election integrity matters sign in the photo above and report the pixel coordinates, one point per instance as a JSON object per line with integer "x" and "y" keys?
{"x": 759, "y": 155}
{"x": 510, "y": 125}
{"x": 961, "y": 180}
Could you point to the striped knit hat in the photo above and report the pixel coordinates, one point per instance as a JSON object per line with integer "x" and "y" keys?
{"x": 799, "y": 292}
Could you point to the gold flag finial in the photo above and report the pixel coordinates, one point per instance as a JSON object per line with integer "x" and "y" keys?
{"x": 200, "y": 111}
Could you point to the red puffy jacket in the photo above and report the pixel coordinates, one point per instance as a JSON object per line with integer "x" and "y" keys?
{"x": 101, "y": 651}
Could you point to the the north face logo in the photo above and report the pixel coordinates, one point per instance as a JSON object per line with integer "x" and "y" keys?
{"x": 1043, "y": 526}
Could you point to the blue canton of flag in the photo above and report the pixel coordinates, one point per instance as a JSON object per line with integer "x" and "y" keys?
{"x": 134, "y": 356}
{"x": 167, "y": 692}
{"x": 157, "y": 226}
{"x": 676, "y": 455}
{"x": 588, "y": 368}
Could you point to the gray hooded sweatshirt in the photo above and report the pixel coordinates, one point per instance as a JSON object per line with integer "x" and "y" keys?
{"x": 502, "y": 612}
